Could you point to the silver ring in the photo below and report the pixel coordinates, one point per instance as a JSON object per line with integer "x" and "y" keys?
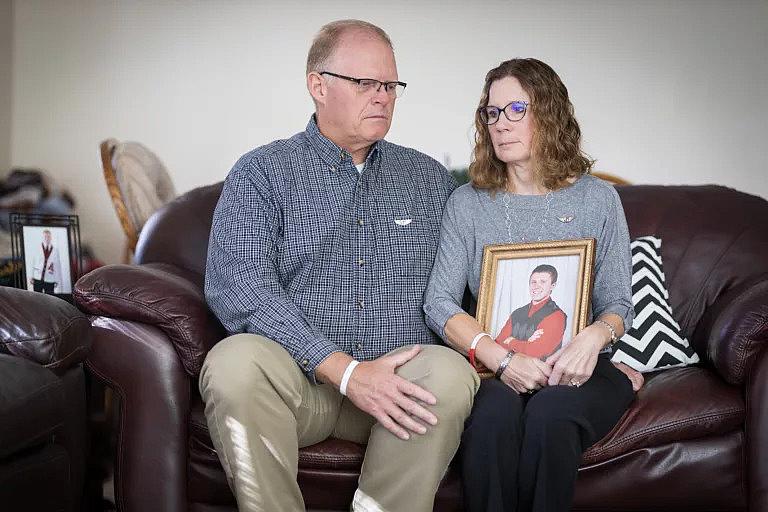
{"x": 575, "y": 383}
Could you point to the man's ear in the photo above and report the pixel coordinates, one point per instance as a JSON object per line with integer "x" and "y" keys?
{"x": 316, "y": 87}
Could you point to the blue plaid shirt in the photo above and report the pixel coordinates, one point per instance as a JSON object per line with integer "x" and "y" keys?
{"x": 307, "y": 251}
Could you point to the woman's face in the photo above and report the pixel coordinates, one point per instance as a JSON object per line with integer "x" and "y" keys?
{"x": 512, "y": 140}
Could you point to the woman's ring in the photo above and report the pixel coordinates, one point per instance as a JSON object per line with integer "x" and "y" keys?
{"x": 575, "y": 383}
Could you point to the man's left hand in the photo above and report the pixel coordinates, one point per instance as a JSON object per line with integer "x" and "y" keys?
{"x": 634, "y": 376}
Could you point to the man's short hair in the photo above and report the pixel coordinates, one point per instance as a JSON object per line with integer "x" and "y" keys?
{"x": 326, "y": 40}
{"x": 549, "y": 269}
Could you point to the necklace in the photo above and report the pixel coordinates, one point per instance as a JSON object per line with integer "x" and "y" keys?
{"x": 512, "y": 219}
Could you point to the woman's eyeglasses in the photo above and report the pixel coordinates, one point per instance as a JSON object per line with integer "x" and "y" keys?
{"x": 514, "y": 111}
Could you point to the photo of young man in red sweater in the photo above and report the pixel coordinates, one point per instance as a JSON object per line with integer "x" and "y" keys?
{"x": 536, "y": 329}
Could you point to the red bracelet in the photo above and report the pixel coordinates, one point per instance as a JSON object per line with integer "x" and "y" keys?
{"x": 473, "y": 346}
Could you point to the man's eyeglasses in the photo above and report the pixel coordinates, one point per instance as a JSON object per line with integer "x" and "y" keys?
{"x": 515, "y": 111}
{"x": 370, "y": 85}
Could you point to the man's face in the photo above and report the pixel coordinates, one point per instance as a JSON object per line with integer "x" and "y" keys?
{"x": 540, "y": 286}
{"x": 47, "y": 237}
{"x": 355, "y": 119}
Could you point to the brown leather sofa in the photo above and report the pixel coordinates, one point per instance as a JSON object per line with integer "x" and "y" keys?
{"x": 43, "y": 431}
{"x": 696, "y": 438}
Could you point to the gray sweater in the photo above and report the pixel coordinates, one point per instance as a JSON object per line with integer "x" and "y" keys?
{"x": 473, "y": 219}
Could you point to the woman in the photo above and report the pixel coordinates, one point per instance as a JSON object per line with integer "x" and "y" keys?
{"x": 529, "y": 427}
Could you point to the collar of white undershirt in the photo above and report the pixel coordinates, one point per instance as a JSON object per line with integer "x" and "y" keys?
{"x": 360, "y": 167}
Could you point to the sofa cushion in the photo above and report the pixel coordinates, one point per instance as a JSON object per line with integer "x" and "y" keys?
{"x": 329, "y": 454}
{"x": 31, "y": 404}
{"x": 663, "y": 412}
{"x": 654, "y": 341}
{"x": 40, "y": 480}
{"x": 674, "y": 405}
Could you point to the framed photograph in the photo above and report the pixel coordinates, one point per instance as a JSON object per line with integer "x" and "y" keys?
{"x": 535, "y": 297}
{"x": 47, "y": 248}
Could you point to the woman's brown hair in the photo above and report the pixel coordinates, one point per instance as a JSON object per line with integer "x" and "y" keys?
{"x": 556, "y": 151}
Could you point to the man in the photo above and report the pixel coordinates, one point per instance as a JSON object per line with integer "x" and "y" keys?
{"x": 46, "y": 267}
{"x": 536, "y": 329}
{"x": 320, "y": 251}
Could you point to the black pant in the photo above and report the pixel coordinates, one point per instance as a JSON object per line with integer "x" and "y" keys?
{"x": 41, "y": 286}
{"x": 520, "y": 453}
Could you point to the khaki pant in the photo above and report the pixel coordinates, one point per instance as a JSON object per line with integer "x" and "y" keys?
{"x": 261, "y": 409}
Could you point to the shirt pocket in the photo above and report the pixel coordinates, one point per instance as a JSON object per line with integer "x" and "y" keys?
{"x": 409, "y": 247}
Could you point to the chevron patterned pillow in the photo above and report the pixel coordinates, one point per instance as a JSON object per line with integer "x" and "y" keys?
{"x": 654, "y": 341}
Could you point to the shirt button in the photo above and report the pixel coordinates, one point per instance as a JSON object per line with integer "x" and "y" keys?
{"x": 361, "y": 262}
{"x": 360, "y": 222}
{"x": 359, "y": 346}
{"x": 332, "y": 169}
{"x": 304, "y": 363}
{"x": 361, "y": 303}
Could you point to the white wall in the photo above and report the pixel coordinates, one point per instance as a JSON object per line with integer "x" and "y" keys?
{"x": 6, "y": 69}
{"x": 666, "y": 91}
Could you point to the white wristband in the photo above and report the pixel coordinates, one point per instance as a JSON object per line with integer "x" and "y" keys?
{"x": 477, "y": 339}
{"x": 346, "y": 376}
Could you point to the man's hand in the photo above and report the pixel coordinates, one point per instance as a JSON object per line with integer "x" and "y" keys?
{"x": 634, "y": 376}
{"x": 395, "y": 402}
{"x": 573, "y": 364}
{"x": 525, "y": 373}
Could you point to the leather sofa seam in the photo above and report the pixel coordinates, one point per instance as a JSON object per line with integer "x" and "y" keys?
{"x": 174, "y": 323}
{"x": 47, "y": 338}
{"x": 625, "y": 440}
{"x": 121, "y": 431}
{"x": 749, "y": 341}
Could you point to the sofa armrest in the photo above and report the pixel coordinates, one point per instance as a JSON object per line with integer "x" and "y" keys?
{"x": 756, "y": 432}
{"x": 141, "y": 365}
{"x": 155, "y": 294}
{"x": 43, "y": 329}
{"x": 733, "y": 333}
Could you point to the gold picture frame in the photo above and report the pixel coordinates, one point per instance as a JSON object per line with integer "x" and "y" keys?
{"x": 525, "y": 281}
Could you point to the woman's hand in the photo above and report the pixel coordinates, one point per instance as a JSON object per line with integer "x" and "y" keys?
{"x": 525, "y": 374}
{"x": 634, "y": 376}
{"x": 573, "y": 364}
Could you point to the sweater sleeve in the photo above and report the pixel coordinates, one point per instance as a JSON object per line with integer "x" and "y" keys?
{"x": 612, "y": 291}
{"x": 448, "y": 279}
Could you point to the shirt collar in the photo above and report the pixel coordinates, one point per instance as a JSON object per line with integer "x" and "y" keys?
{"x": 535, "y": 307}
{"x": 331, "y": 153}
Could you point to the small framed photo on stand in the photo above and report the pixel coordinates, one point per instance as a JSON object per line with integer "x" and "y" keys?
{"x": 47, "y": 248}
{"x": 535, "y": 297}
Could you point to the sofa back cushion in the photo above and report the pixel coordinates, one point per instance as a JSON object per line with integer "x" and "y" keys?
{"x": 178, "y": 233}
{"x": 715, "y": 239}
{"x": 715, "y": 242}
